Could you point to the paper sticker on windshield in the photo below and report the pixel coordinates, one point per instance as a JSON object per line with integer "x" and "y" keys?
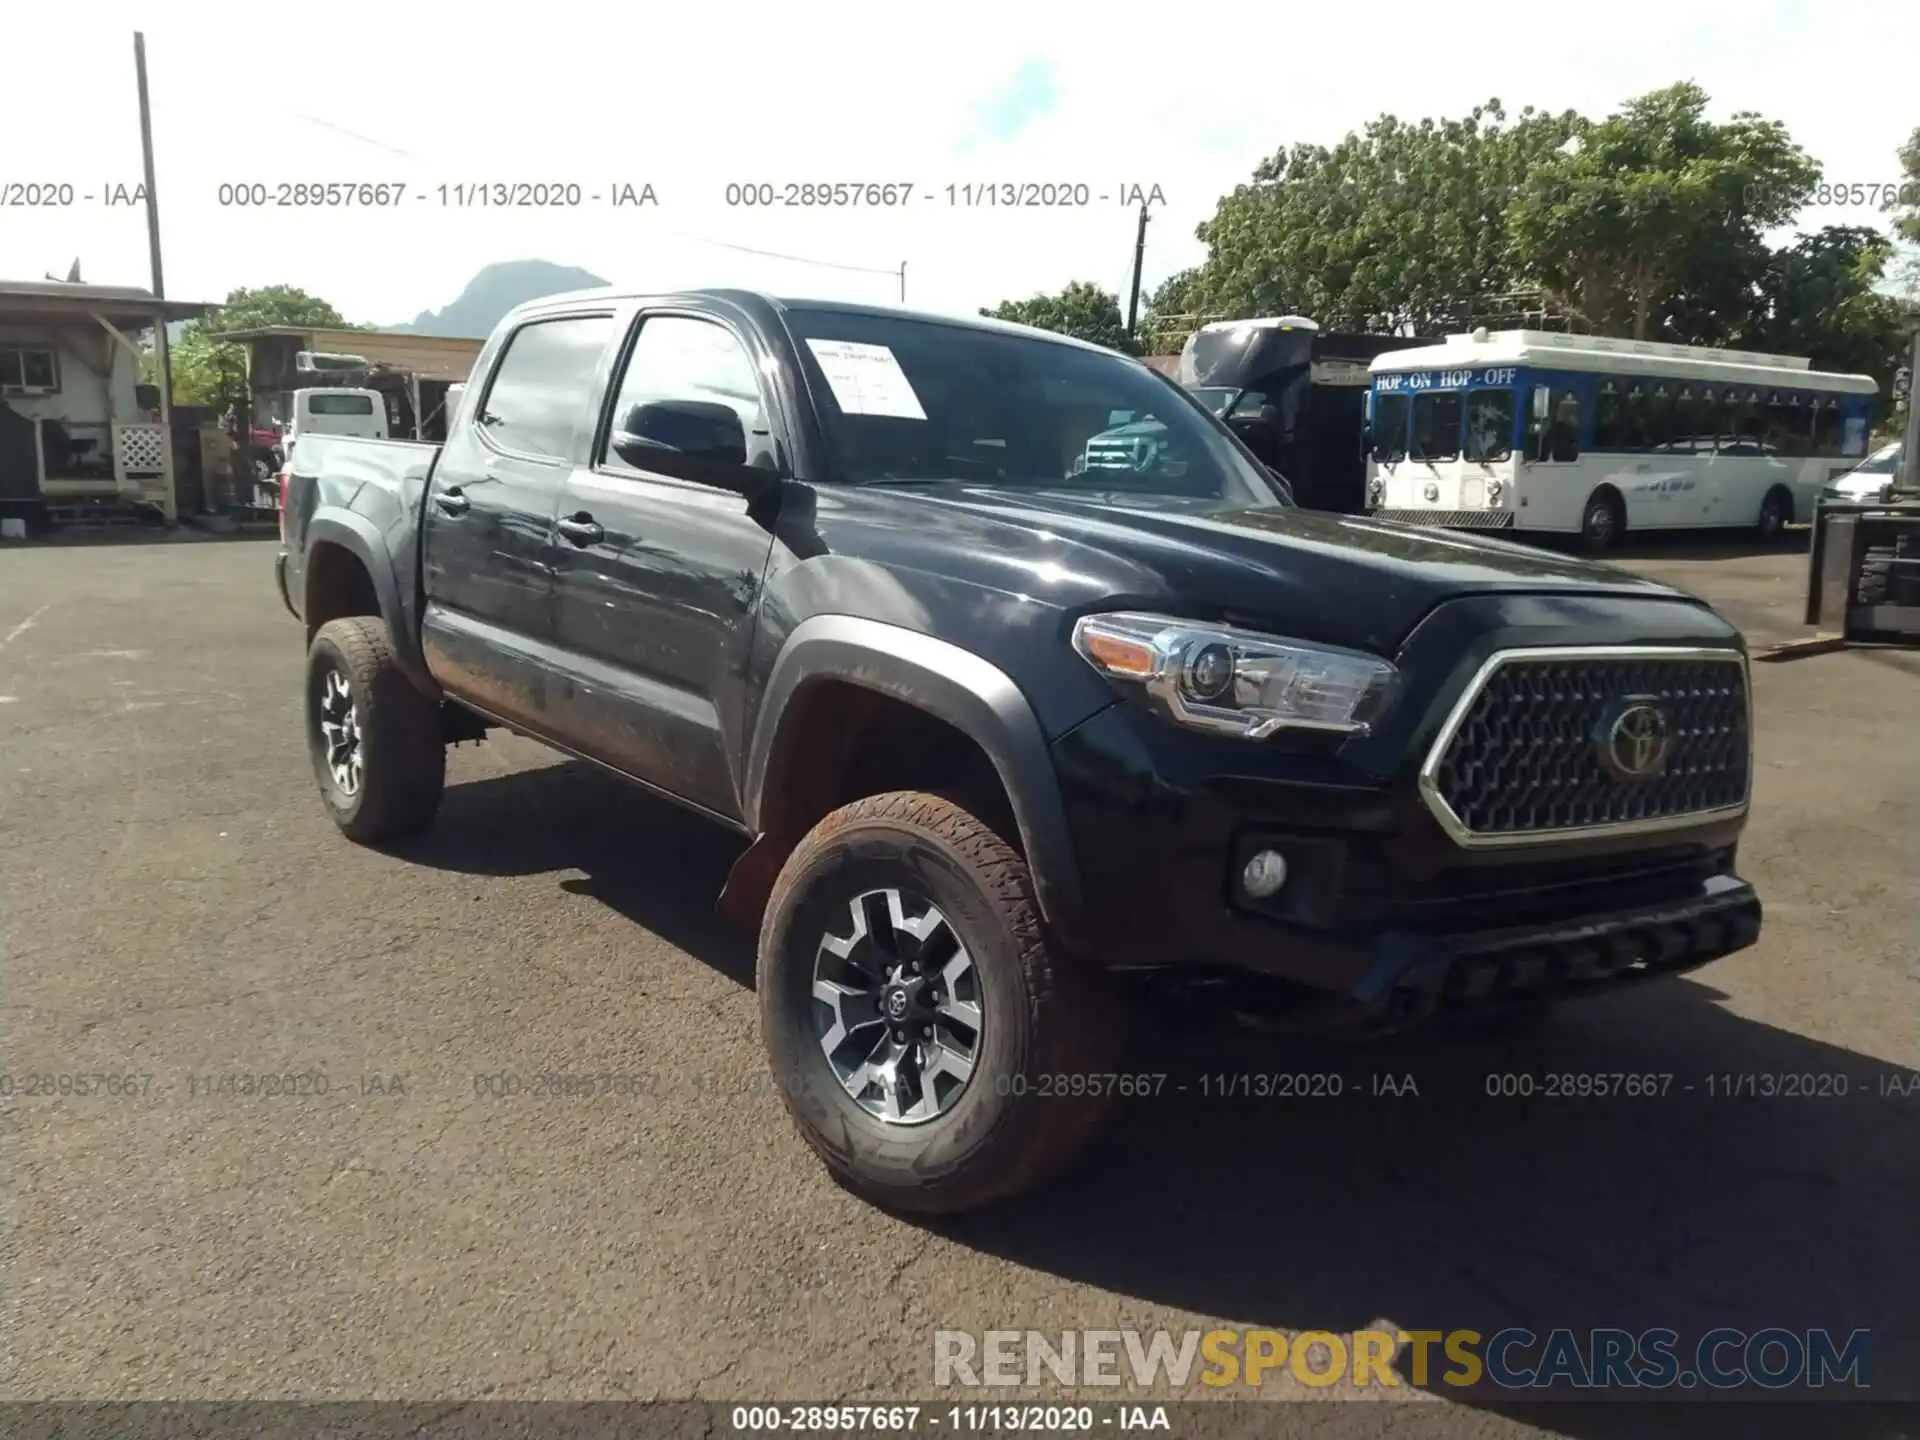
{"x": 866, "y": 379}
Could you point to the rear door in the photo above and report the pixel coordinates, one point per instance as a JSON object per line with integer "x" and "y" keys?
{"x": 656, "y": 578}
{"x": 488, "y": 520}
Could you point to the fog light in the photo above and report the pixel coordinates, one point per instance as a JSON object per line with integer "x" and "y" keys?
{"x": 1264, "y": 874}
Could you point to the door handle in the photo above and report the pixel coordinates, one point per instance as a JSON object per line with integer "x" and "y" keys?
{"x": 451, "y": 501}
{"x": 581, "y": 529}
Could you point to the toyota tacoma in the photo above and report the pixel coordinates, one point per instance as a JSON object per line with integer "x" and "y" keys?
{"x": 1003, "y": 710}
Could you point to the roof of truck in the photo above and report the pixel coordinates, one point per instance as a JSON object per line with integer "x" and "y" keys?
{"x": 754, "y": 299}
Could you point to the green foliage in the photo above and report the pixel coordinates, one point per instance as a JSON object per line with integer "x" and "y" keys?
{"x": 212, "y": 372}
{"x": 1613, "y": 226}
{"x": 1082, "y": 310}
{"x": 1907, "y": 217}
{"x": 1390, "y": 229}
{"x": 1652, "y": 222}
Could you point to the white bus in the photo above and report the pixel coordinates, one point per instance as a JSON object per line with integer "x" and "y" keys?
{"x": 1580, "y": 435}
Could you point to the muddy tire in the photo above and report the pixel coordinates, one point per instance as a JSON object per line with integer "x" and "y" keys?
{"x": 375, "y": 741}
{"x": 925, "y": 1037}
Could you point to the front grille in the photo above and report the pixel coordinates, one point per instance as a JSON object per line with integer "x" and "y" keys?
{"x": 1455, "y": 519}
{"x": 1577, "y": 742}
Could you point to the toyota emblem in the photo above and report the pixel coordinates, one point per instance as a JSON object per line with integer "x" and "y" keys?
{"x": 1633, "y": 740}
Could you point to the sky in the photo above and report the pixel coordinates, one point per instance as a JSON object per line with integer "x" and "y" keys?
{"x": 690, "y": 100}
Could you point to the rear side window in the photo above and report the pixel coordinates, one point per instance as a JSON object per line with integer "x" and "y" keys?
{"x": 339, "y": 404}
{"x": 542, "y": 387}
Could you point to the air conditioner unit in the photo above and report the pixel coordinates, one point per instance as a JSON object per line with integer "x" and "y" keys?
{"x": 312, "y": 362}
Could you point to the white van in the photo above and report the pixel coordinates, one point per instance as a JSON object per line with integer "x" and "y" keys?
{"x": 338, "y": 412}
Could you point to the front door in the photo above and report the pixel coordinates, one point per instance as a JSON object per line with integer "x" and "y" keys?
{"x": 488, "y": 517}
{"x": 656, "y": 578}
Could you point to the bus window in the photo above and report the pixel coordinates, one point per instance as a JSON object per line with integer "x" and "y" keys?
{"x": 1564, "y": 439}
{"x": 1436, "y": 425}
{"x": 1744, "y": 421}
{"x": 1489, "y": 426}
{"x": 1786, "y": 431}
{"x": 1637, "y": 432}
{"x": 1610, "y": 421}
{"x": 1390, "y": 414}
{"x": 1826, "y": 425}
{"x": 1553, "y": 429}
{"x": 1662, "y": 430}
{"x": 1686, "y": 421}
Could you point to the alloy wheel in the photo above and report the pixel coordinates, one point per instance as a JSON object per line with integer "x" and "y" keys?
{"x": 340, "y": 730}
{"x": 897, "y": 1008}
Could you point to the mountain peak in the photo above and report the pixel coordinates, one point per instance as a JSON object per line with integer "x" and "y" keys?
{"x": 499, "y": 287}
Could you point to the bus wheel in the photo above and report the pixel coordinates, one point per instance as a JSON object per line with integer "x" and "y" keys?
{"x": 1601, "y": 522}
{"x": 1776, "y": 513}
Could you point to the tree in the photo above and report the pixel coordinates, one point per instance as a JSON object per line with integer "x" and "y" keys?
{"x": 1821, "y": 297}
{"x": 1907, "y": 200}
{"x": 1177, "y": 295}
{"x": 1399, "y": 227}
{"x": 1082, "y": 310}
{"x": 1614, "y": 225}
{"x": 212, "y": 372}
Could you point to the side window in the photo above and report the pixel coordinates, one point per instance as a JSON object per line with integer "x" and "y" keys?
{"x": 1489, "y": 425}
{"x": 1786, "y": 432}
{"x": 1553, "y": 432}
{"x": 1826, "y": 425}
{"x": 1745, "y": 417}
{"x": 1685, "y": 439}
{"x": 543, "y": 386}
{"x": 1662, "y": 428}
{"x": 1436, "y": 425}
{"x": 1713, "y": 417}
{"x": 676, "y": 357}
{"x": 1634, "y": 405}
{"x": 1610, "y": 419}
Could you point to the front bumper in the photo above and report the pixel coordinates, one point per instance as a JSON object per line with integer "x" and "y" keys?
{"x": 1384, "y": 920}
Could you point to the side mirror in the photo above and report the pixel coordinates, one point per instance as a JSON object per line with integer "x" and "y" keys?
{"x": 698, "y": 440}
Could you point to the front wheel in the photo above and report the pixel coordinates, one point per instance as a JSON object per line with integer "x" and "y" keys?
{"x": 1601, "y": 522}
{"x": 930, "y": 1046}
{"x": 375, "y": 739}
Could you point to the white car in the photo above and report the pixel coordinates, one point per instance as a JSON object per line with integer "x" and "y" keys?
{"x": 1869, "y": 480}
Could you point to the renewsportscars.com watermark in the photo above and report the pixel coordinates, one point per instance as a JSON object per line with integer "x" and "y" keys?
{"x": 1513, "y": 1359}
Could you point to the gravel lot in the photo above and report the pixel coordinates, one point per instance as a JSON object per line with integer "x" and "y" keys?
{"x": 174, "y": 904}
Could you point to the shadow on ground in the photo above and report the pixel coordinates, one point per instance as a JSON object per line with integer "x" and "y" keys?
{"x": 1442, "y": 1207}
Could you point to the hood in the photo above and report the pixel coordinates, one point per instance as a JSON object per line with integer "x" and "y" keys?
{"x": 1337, "y": 579}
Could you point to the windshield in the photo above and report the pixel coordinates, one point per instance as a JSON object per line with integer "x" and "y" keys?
{"x": 1883, "y": 461}
{"x": 905, "y": 400}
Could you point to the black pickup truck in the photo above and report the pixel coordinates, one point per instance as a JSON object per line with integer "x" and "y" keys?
{"x": 1005, "y": 706}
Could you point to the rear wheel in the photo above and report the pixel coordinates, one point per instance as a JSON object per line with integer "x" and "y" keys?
{"x": 375, "y": 740}
{"x": 1602, "y": 522}
{"x": 931, "y": 1047}
{"x": 1776, "y": 513}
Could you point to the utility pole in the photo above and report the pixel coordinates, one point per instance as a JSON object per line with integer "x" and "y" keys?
{"x": 903, "y": 282}
{"x": 1139, "y": 258}
{"x": 162, "y": 356}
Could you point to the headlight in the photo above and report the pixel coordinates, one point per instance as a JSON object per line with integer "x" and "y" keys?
{"x": 1237, "y": 682}
{"x": 1376, "y": 491}
{"x": 1495, "y": 489}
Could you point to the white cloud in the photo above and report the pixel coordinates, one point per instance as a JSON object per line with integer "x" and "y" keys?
{"x": 692, "y": 98}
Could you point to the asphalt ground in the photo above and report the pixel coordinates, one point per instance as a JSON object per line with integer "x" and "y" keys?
{"x": 175, "y": 905}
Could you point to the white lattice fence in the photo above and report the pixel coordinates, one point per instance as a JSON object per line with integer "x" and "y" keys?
{"x": 139, "y": 452}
